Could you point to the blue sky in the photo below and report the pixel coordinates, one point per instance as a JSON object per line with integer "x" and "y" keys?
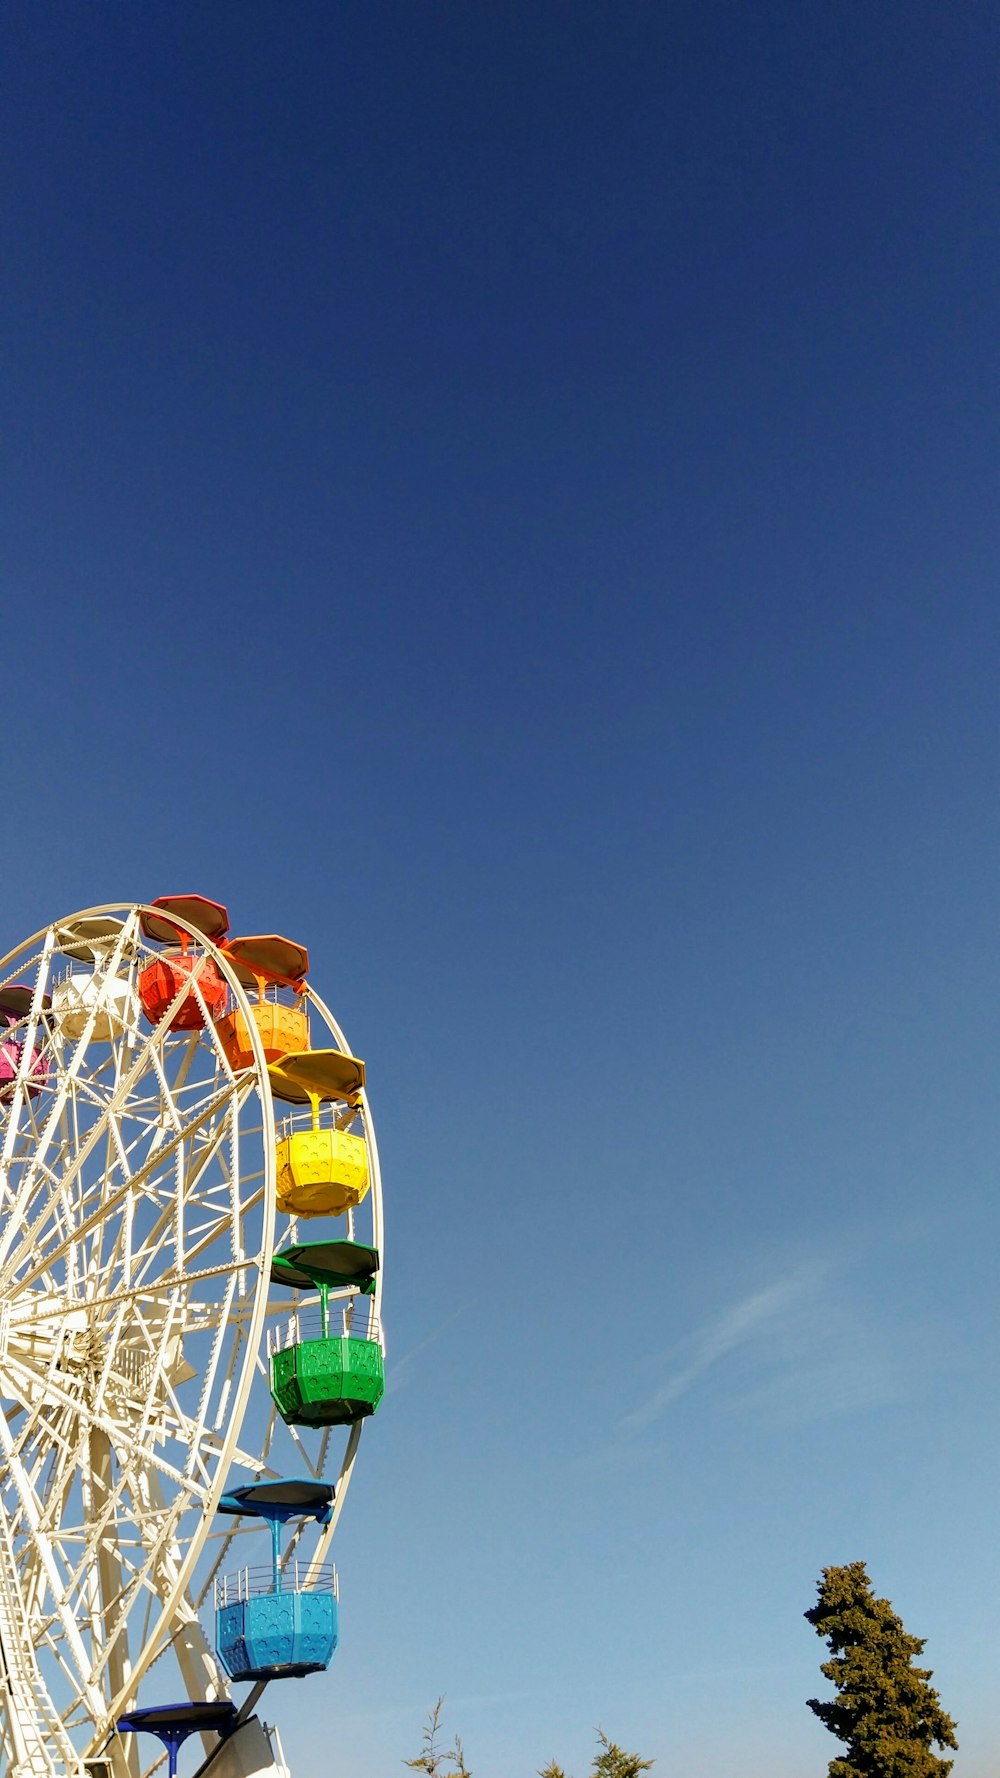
{"x": 506, "y": 493}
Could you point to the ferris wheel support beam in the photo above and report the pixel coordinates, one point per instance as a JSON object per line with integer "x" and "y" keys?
{"x": 109, "y": 1574}
{"x": 107, "y": 1581}
{"x": 29, "y": 1505}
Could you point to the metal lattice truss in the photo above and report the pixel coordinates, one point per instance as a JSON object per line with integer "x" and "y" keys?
{"x": 136, "y": 1229}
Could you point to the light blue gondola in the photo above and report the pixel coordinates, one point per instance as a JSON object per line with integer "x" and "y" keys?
{"x": 273, "y": 1623}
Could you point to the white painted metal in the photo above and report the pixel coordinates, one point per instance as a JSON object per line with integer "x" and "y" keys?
{"x": 136, "y": 1228}
{"x": 253, "y": 1752}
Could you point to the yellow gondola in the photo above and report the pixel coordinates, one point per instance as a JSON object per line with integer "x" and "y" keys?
{"x": 321, "y": 1171}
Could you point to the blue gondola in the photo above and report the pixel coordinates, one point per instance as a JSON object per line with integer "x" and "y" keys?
{"x": 273, "y": 1623}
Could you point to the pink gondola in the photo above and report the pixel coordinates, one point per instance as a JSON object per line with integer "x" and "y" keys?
{"x": 15, "y": 1004}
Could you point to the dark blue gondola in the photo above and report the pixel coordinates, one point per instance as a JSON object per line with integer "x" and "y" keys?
{"x": 173, "y": 1723}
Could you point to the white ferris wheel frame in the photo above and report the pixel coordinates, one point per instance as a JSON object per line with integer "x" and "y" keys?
{"x": 39, "y": 1590}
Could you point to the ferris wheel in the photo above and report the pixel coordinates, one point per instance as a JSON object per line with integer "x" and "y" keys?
{"x": 191, "y": 1256}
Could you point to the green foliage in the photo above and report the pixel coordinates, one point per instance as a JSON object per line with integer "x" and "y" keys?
{"x": 611, "y": 1762}
{"x": 885, "y": 1710}
{"x": 432, "y": 1758}
{"x": 614, "y": 1762}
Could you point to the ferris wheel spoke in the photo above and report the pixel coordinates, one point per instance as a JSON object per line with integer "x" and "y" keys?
{"x": 197, "y": 1431}
{"x": 196, "y": 1661}
{"x": 204, "y": 1316}
{"x": 68, "y": 1074}
{"x": 51, "y": 1490}
{"x": 253, "y": 1461}
{"x": 151, "y": 1571}
{"x": 104, "y": 1207}
{"x": 127, "y": 1445}
{"x": 219, "y": 1214}
{"x": 89, "y": 1142}
{"x": 167, "y": 1100}
{"x": 224, "y": 1102}
{"x": 73, "y": 1551}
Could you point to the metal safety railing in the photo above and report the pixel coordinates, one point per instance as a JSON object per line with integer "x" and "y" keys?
{"x": 355, "y": 1320}
{"x": 256, "y": 1583}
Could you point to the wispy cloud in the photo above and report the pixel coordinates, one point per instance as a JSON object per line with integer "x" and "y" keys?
{"x": 744, "y": 1321}
{"x": 399, "y": 1374}
{"x": 810, "y": 1344}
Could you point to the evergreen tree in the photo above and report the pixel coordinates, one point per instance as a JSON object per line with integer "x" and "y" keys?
{"x": 885, "y": 1710}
